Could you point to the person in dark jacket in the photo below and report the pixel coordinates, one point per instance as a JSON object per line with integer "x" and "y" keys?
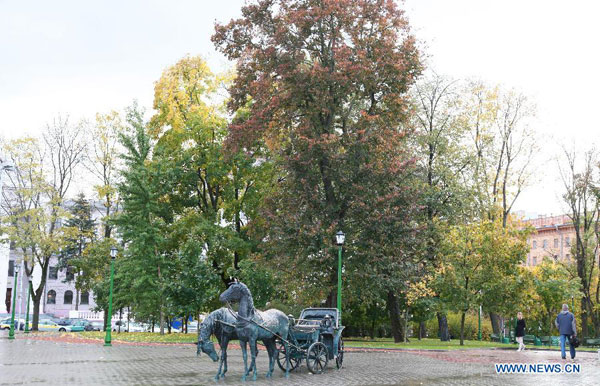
{"x": 520, "y": 331}
{"x": 565, "y": 322}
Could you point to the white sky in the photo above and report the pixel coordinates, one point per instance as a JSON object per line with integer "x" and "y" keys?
{"x": 77, "y": 58}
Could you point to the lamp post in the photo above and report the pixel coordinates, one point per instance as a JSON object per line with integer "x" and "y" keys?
{"x": 573, "y": 304}
{"x": 113, "y": 254}
{"x": 11, "y": 334}
{"x": 27, "y": 316}
{"x": 479, "y": 330}
{"x": 340, "y": 237}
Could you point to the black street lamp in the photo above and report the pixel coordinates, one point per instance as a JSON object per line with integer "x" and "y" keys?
{"x": 340, "y": 237}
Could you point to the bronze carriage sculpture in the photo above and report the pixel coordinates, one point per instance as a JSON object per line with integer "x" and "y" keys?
{"x": 316, "y": 337}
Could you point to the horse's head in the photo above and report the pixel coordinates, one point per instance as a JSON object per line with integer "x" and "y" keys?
{"x": 234, "y": 293}
{"x": 205, "y": 345}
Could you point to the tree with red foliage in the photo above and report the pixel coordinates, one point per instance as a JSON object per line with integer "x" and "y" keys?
{"x": 325, "y": 85}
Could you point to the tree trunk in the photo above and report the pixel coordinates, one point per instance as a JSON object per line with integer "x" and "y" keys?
{"x": 422, "y": 330}
{"x": 393, "y": 309}
{"x": 405, "y": 329}
{"x": 36, "y": 314}
{"x": 462, "y": 328}
{"x": 495, "y": 320}
{"x": 106, "y": 320}
{"x": 443, "y": 327}
{"x": 584, "y": 321}
{"x": 372, "y": 330}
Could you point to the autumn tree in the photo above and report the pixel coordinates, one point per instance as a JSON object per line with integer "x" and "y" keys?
{"x": 215, "y": 192}
{"x": 581, "y": 194}
{"x": 478, "y": 258}
{"x": 325, "y": 84}
{"x": 34, "y": 203}
{"x": 102, "y": 161}
{"x": 553, "y": 287}
{"x": 444, "y": 160}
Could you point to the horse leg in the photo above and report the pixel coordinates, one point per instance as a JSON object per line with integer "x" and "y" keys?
{"x": 224, "y": 355}
{"x": 223, "y": 360}
{"x": 245, "y": 356}
{"x": 287, "y": 359}
{"x": 253, "y": 352}
{"x": 272, "y": 351}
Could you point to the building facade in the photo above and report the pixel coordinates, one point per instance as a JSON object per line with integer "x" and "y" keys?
{"x": 552, "y": 238}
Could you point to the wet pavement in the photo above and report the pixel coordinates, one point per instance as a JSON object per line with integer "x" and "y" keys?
{"x": 52, "y": 361}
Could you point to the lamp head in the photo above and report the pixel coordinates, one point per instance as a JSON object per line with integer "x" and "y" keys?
{"x": 340, "y": 237}
{"x": 113, "y": 252}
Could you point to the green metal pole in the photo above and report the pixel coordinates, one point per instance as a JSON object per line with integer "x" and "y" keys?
{"x": 479, "y": 331}
{"x": 107, "y": 339}
{"x": 339, "y": 291}
{"x": 11, "y": 333}
{"x": 27, "y": 317}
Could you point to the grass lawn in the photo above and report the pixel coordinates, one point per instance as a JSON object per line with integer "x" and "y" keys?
{"x": 384, "y": 343}
{"x": 436, "y": 344}
{"x": 147, "y": 337}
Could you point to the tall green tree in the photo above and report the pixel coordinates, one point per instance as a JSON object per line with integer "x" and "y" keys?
{"x": 143, "y": 220}
{"x": 325, "y": 84}
{"x": 215, "y": 192}
{"x": 83, "y": 230}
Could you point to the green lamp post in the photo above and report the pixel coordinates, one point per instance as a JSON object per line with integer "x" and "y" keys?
{"x": 27, "y": 316}
{"x": 479, "y": 330}
{"x": 113, "y": 254}
{"x": 11, "y": 333}
{"x": 340, "y": 237}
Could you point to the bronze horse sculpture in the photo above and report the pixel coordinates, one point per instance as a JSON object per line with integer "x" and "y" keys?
{"x": 252, "y": 325}
{"x": 220, "y": 323}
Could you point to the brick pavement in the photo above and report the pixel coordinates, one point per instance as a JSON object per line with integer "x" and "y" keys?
{"x": 51, "y": 362}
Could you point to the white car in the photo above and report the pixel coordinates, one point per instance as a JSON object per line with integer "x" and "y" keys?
{"x": 137, "y": 327}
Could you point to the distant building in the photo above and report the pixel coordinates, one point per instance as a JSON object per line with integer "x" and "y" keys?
{"x": 552, "y": 238}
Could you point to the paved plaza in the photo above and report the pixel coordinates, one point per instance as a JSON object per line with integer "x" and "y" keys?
{"x": 62, "y": 362}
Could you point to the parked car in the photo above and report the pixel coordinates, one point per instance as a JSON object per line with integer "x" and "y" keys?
{"x": 79, "y": 325}
{"x": 192, "y": 326}
{"x": 122, "y": 324}
{"x": 137, "y": 327}
{"x": 50, "y": 325}
{"x": 94, "y": 326}
{"x": 5, "y": 324}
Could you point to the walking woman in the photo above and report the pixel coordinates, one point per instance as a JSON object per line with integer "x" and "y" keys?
{"x": 520, "y": 331}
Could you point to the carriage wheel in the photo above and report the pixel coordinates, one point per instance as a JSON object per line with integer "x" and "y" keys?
{"x": 317, "y": 358}
{"x": 339, "y": 360}
{"x": 294, "y": 361}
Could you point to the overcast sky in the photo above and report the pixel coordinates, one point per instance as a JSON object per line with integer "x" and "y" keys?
{"x": 75, "y": 58}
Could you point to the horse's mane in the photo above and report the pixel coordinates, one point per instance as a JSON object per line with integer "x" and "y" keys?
{"x": 250, "y": 306}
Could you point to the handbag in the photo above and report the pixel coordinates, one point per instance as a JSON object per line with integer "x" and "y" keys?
{"x": 573, "y": 341}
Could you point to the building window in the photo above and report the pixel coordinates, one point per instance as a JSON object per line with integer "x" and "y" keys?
{"x": 53, "y": 273}
{"x": 85, "y": 298}
{"x": 11, "y": 268}
{"x": 70, "y": 273}
{"x": 534, "y": 261}
{"x": 68, "y": 297}
{"x": 51, "y": 297}
{"x": 534, "y": 244}
{"x": 555, "y": 243}
{"x": 568, "y": 257}
{"x": 545, "y": 244}
{"x": 568, "y": 241}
